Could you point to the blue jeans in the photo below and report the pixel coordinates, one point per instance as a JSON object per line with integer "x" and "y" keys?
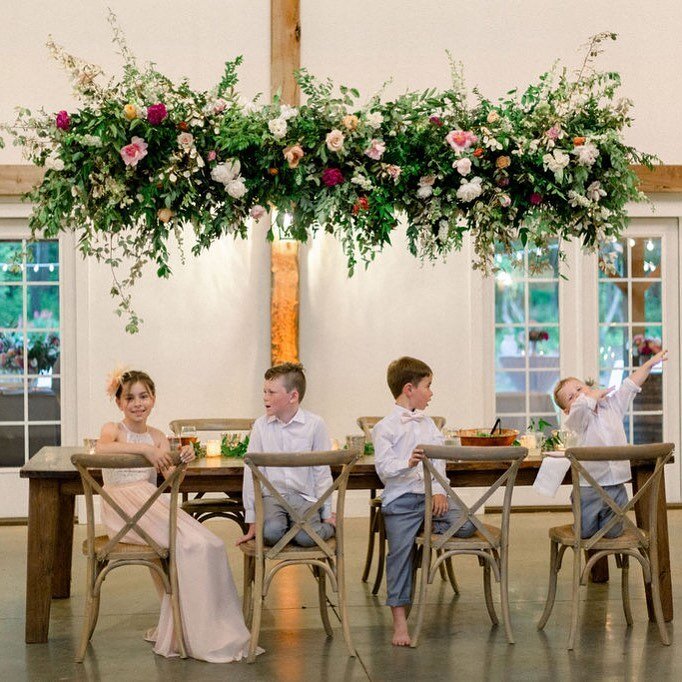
{"x": 403, "y": 517}
{"x": 595, "y": 513}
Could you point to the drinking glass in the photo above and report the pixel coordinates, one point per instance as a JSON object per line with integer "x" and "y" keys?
{"x": 175, "y": 443}
{"x": 90, "y": 444}
{"x": 188, "y": 434}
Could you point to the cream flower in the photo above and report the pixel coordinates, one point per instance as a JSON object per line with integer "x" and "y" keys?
{"x": 334, "y": 140}
{"x": 587, "y": 154}
{"x": 293, "y": 154}
{"x": 350, "y": 122}
{"x": 278, "y": 128}
{"x": 463, "y": 166}
{"x": 374, "y": 119}
{"x": 236, "y": 188}
{"x": 185, "y": 140}
{"x": 470, "y": 189}
{"x": 376, "y": 149}
{"x": 556, "y": 162}
{"x": 595, "y": 191}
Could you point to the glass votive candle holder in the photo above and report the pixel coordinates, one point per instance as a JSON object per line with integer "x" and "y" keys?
{"x": 90, "y": 444}
{"x": 212, "y": 448}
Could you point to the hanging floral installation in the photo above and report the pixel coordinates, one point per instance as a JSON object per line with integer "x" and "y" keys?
{"x": 143, "y": 157}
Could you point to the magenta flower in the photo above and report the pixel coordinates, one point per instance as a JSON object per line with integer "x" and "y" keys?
{"x": 63, "y": 121}
{"x": 332, "y": 176}
{"x": 535, "y": 198}
{"x": 156, "y": 113}
{"x": 436, "y": 120}
{"x": 133, "y": 152}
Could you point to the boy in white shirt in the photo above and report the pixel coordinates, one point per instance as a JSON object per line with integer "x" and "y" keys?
{"x": 596, "y": 416}
{"x": 286, "y": 427}
{"x": 398, "y": 464}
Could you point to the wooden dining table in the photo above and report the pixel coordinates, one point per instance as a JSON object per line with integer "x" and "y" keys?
{"x": 54, "y": 484}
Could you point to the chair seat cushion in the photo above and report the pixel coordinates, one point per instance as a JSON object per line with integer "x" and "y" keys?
{"x": 290, "y": 551}
{"x": 565, "y": 535}
{"x": 476, "y": 541}
{"x": 123, "y": 550}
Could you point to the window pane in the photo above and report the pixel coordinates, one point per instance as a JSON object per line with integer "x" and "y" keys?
{"x": 648, "y": 428}
{"x": 544, "y": 343}
{"x": 43, "y": 262}
{"x": 612, "y": 376}
{"x": 613, "y": 304}
{"x": 646, "y": 257}
{"x": 11, "y": 353}
{"x": 518, "y": 423}
{"x": 646, "y": 341}
{"x": 7, "y": 251}
{"x": 614, "y": 254}
{"x": 651, "y": 397}
{"x": 510, "y": 389}
{"x": 541, "y": 385}
{"x": 646, "y": 302}
{"x": 509, "y": 348}
{"x": 11, "y": 306}
{"x": 544, "y": 264}
{"x": 44, "y": 399}
{"x": 11, "y": 399}
{"x": 509, "y": 305}
{"x": 43, "y": 353}
{"x": 544, "y": 302}
{"x": 11, "y": 446}
{"x": 42, "y": 435}
{"x": 613, "y": 347}
{"x": 43, "y": 307}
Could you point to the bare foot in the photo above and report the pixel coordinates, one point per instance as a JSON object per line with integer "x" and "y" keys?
{"x": 401, "y": 635}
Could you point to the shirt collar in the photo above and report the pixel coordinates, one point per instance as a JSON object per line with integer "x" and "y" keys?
{"x": 299, "y": 417}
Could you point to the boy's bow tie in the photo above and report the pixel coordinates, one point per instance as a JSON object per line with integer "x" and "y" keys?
{"x": 415, "y": 416}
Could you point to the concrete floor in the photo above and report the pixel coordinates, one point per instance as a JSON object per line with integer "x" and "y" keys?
{"x": 458, "y": 641}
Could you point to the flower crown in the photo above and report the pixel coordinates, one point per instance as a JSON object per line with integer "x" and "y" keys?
{"x": 115, "y": 379}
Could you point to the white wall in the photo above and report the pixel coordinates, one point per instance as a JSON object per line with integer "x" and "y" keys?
{"x": 206, "y": 331}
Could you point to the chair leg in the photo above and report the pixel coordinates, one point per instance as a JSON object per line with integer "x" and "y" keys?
{"x": 321, "y": 578}
{"x": 625, "y": 588}
{"x": 451, "y": 575}
{"x": 656, "y": 597}
{"x": 488, "y": 594}
{"x": 343, "y": 604}
{"x": 88, "y": 626}
{"x": 423, "y": 583}
{"x": 504, "y": 593}
{"x": 441, "y": 567}
{"x": 370, "y": 543}
{"x": 247, "y": 598}
{"x": 575, "y": 601}
{"x": 382, "y": 552}
{"x": 551, "y": 591}
{"x": 257, "y": 608}
{"x": 175, "y": 607}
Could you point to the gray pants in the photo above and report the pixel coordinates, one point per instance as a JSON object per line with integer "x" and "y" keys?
{"x": 595, "y": 513}
{"x": 403, "y": 518}
{"x": 278, "y": 521}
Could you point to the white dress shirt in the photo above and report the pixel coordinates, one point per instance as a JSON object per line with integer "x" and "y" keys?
{"x": 394, "y": 439}
{"x": 305, "y": 432}
{"x": 600, "y": 424}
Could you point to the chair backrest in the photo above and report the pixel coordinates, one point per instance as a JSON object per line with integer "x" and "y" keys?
{"x": 256, "y": 461}
{"x": 212, "y": 424}
{"x": 368, "y": 423}
{"x": 84, "y": 463}
{"x": 656, "y": 453}
{"x": 513, "y": 456}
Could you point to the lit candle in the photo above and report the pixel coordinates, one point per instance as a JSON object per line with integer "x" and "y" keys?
{"x": 212, "y": 448}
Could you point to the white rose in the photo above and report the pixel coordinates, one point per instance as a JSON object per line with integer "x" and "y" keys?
{"x": 424, "y": 191}
{"x": 219, "y": 174}
{"x": 278, "y": 128}
{"x": 247, "y": 105}
{"x": 587, "y": 154}
{"x": 185, "y": 140}
{"x": 288, "y": 112}
{"x": 470, "y": 189}
{"x": 236, "y": 188}
{"x": 595, "y": 191}
{"x": 334, "y": 140}
{"x": 463, "y": 166}
{"x": 556, "y": 162}
{"x": 53, "y": 162}
{"x": 374, "y": 119}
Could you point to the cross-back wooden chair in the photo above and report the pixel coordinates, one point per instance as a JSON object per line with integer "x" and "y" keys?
{"x": 326, "y": 557}
{"x": 489, "y": 543}
{"x": 377, "y": 530}
{"x": 105, "y": 554}
{"x": 635, "y": 542}
{"x": 230, "y": 506}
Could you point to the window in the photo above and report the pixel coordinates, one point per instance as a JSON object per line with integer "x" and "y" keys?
{"x": 30, "y": 340}
{"x": 527, "y": 356}
{"x": 631, "y": 328}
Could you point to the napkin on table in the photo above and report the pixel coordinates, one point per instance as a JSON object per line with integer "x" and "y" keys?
{"x": 550, "y": 475}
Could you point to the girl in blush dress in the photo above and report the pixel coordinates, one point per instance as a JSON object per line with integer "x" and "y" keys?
{"x": 212, "y": 620}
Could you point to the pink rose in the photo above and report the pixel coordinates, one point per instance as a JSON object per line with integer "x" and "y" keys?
{"x": 257, "y": 211}
{"x": 334, "y": 140}
{"x": 156, "y": 113}
{"x": 394, "y": 172}
{"x": 133, "y": 152}
{"x": 460, "y": 140}
{"x": 293, "y": 154}
{"x": 185, "y": 140}
{"x": 332, "y": 176}
{"x": 211, "y": 156}
{"x": 505, "y": 201}
{"x": 63, "y": 121}
{"x": 376, "y": 149}
{"x": 553, "y": 133}
{"x": 463, "y": 166}
{"x": 535, "y": 198}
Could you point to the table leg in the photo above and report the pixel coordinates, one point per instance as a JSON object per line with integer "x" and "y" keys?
{"x": 43, "y": 522}
{"x": 664, "y": 576}
{"x": 61, "y": 574}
